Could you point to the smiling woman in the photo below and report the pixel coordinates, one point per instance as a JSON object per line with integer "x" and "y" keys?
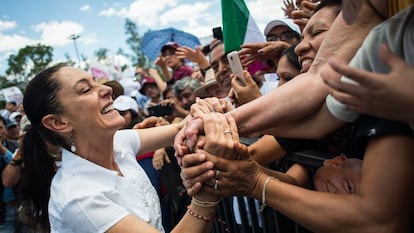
{"x": 100, "y": 187}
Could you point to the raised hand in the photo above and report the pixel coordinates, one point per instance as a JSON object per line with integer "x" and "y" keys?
{"x": 288, "y": 8}
{"x": 262, "y": 51}
{"x": 243, "y": 94}
{"x": 199, "y": 172}
{"x": 194, "y": 55}
{"x": 384, "y": 95}
{"x": 160, "y": 61}
{"x": 151, "y": 122}
{"x": 303, "y": 14}
{"x": 160, "y": 156}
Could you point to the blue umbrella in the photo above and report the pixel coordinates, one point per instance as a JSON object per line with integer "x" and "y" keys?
{"x": 154, "y": 40}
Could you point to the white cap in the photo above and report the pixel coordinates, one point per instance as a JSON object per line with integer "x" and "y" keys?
{"x": 124, "y": 103}
{"x": 282, "y": 22}
{"x": 13, "y": 115}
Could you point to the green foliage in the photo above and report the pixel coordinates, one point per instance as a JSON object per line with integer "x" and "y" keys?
{"x": 29, "y": 61}
{"x": 134, "y": 40}
{"x": 4, "y": 82}
{"x": 101, "y": 54}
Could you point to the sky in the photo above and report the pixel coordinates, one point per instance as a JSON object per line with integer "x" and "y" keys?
{"x": 100, "y": 24}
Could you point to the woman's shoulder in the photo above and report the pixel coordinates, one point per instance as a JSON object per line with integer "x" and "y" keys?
{"x": 127, "y": 139}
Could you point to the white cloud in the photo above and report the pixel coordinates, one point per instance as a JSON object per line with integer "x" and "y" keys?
{"x": 3, "y": 58}
{"x": 56, "y": 33}
{"x": 14, "y": 42}
{"x": 109, "y": 12}
{"x": 85, "y": 8}
{"x": 264, "y": 11}
{"x": 196, "y": 17}
{"x": 5, "y": 25}
{"x": 193, "y": 17}
{"x": 88, "y": 39}
{"x": 145, "y": 12}
{"x": 184, "y": 13}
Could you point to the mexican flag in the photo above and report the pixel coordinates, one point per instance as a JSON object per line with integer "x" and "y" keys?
{"x": 238, "y": 25}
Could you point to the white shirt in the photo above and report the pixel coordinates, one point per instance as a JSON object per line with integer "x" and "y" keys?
{"x": 397, "y": 32}
{"x": 86, "y": 197}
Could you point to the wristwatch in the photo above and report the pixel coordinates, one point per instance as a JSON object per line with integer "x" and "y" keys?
{"x": 16, "y": 162}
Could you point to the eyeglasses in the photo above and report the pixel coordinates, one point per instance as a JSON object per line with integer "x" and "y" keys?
{"x": 283, "y": 37}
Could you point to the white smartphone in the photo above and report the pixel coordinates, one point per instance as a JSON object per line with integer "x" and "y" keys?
{"x": 236, "y": 66}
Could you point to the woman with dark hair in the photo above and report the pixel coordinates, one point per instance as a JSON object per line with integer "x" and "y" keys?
{"x": 288, "y": 66}
{"x": 99, "y": 186}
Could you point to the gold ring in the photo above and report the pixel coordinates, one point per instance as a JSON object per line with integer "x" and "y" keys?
{"x": 227, "y": 131}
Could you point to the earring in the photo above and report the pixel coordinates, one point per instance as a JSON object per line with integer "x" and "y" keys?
{"x": 72, "y": 146}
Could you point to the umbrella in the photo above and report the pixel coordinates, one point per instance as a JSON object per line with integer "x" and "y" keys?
{"x": 154, "y": 40}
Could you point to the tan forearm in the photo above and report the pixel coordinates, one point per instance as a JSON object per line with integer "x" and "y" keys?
{"x": 286, "y": 104}
{"x": 291, "y": 102}
{"x": 383, "y": 204}
{"x": 316, "y": 126}
{"x": 266, "y": 150}
{"x": 343, "y": 40}
{"x": 162, "y": 85}
{"x": 156, "y": 137}
{"x": 166, "y": 73}
{"x": 191, "y": 224}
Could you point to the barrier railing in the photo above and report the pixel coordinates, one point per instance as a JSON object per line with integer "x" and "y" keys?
{"x": 241, "y": 214}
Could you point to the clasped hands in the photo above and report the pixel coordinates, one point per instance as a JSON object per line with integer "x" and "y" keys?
{"x": 212, "y": 159}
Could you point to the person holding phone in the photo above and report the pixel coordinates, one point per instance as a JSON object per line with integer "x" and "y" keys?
{"x": 150, "y": 89}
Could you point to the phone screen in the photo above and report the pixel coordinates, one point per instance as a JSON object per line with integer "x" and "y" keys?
{"x": 218, "y": 33}
{"x": 160, "y": 110}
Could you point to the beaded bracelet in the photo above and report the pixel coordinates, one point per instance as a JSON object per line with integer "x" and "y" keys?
{"x": 263, "y": 205}
{"x": 208, "y": 219}
{"x": 200, "y": 203}
{"x": 191, "y": 212}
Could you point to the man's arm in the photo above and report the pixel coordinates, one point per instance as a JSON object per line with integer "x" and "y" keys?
{"x": 12, "y": 172}
{"x": 306, "y": 93}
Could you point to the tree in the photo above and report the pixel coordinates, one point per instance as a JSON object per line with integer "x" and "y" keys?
{"x": 29, "y": 61}
{"x": 5, "y": 82}
{"x": 101, "y": 54}
{"x": 134, "y": 40}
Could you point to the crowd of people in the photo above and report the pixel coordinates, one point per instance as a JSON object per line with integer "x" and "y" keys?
{"x": 83, "y": 156}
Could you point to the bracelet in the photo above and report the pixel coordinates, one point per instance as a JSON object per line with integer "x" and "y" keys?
{"x": 203, "y": 71}
{"x": 200, "y": 203}
{"x": 16, "y": 162}
{"x": 191, "y": 212}
{"x": 263, "y": 205}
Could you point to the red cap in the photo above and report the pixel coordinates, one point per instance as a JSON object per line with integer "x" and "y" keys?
{"x": 146, "y": 80}
{"x": 169, "y": 45}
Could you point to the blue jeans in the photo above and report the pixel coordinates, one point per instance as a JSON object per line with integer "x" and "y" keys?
{"x": 10, "y": 220}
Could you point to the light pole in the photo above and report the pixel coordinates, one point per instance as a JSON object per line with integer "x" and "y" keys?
{"x": 74, "y": 37}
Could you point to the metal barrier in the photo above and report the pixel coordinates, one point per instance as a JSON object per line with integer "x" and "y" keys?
{"x": 240, "y": 218}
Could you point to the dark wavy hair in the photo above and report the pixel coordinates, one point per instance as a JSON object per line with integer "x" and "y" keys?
{"x": 40, "y": 99}
{"x": 292, "y": 57}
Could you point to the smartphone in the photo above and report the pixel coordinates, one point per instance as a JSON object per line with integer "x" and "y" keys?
{"x": 236, "y": 66}
{"x": 206, "y": 49}
{"x": 159, "y": 110}
{"x": 217, "y": 33}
